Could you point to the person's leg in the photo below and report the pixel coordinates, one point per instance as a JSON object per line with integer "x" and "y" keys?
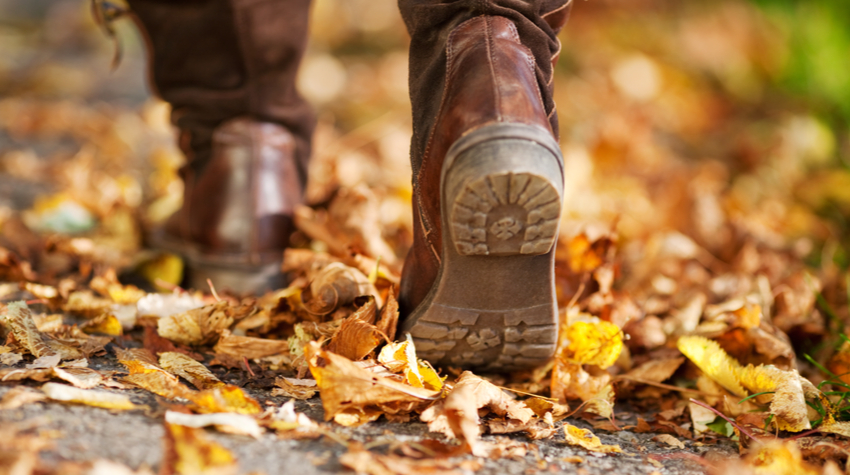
{"x": 228, "y": 68}
{"x": 478, "y": 284}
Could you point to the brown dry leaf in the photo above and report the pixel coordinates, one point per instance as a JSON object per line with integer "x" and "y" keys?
{"x": 572, "y": 381}
{"x": 20, "y": 396}
{"x": 146, "y": 374}
{"x": 83, "y": 378}
{"x": 542, "y": 406}
{"x": 787, "y": 402}
{"x": 336, "y": 285}
{"x": 388, "y": 323}
{"x": 344, "y": 385}
{"x": 249, "y": 347}
{"x": 602, "y": 404}
{"x": 89, "y": 397}
{"x": 585, "y": 438}
{"x": 189, "y": 452}
{"x": 655, "y": 371}
{"x": 458, "y": 414}
{"x": 22, "y": 327}
{"x": 187, "y": 368}
{"x": 295, "y": 388}
{"x": 355, "y": 339}
{"x": 86, "y": 304}
{"x": 197, "y": 326}
{"x": 361, "y": 460}
{"x": 108, "y": 285}
{"x": 8, "y": 357}
{"x": 19, "y": 451}
{"x": 669, "y": 440}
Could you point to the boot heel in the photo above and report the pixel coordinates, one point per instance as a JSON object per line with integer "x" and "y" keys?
{"x": 493, "y": 304}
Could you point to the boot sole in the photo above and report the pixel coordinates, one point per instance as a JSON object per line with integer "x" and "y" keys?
{"x": 493, "y": 305}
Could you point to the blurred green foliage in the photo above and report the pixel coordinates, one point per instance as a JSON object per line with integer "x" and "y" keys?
{"x": 818, "y": 64}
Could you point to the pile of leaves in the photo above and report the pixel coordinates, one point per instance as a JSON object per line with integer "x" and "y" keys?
{"x": 701, "y": 268}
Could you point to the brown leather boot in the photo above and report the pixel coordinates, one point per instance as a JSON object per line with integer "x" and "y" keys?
{"x": 236, "y": 217}
{"x": 228, "y": 69}
{"x": 480, "y": 275}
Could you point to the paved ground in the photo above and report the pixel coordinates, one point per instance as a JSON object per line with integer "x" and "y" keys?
{"x": 135, "y": 438}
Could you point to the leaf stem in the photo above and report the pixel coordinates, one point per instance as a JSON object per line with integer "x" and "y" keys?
{"x": 730, "y": 421}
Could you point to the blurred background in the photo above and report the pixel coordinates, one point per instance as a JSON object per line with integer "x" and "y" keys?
{"x": 724, "y": 121}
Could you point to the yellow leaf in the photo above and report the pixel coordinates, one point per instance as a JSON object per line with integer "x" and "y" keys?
{"x": 401, "y": 357}
{"x": 89, "y": 397}
{"x": 189, "y": 452}
{"x": 597, "y": 343}
{"x": 585, "y": 438}
{"x": 779, "y": 458}
{"x": 713, "y": 361}
{"x": 166, "y": 268}
{"x": 107, "y": 324}
{"x": 226, "y": 398}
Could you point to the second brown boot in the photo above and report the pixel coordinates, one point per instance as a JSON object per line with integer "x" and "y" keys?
{"x": 480, "y": 276}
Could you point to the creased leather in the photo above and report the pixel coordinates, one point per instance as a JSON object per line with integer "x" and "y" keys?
{"x": 490, "y": 78}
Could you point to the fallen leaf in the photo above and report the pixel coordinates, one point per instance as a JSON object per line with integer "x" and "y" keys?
{"x": 401, "y": 357}
{"x": 249, "y": 347}
{"x": 787, "y": 402}
{"x": 89, "y": 397}
{"x": 187, "y": 368}
{"x": 20, "y": 396}
{"x": 344, "y": 385}
{"x": 669, "y": 440}
{"x": 598, "y": 343}
{"x": 355, "y": 339}
{"x": 107, "y": 324}
{"x": 585, "y": 438}
{"x": 458, "y": 414}
{"x": 388, "y": 323}
{"x": 361, "y": 460}
{"x": 229, "y": 423}
{"x": 295, "y": 388}
{"x": 197, "y": 326}
{"x": 713, "y": 361}
{"x": 189, "y": 452}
